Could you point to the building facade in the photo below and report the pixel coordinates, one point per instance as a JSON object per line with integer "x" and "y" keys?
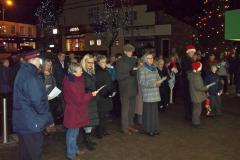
{"x": 14, "y": 36}
{"x": 155, "y": 30}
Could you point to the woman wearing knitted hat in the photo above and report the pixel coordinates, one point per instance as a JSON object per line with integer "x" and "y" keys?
{"x": 197, "y": 92}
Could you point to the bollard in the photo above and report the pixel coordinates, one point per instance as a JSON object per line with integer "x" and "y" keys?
{"x": 5, "y": 136}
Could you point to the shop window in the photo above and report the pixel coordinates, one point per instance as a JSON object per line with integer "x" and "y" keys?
{"x": 117, "y": 42}
{"x": 30, "y": 31}
{"x": 77, "y": 44}
{"x": 13, "y": 30}
{"x": 21, "y": 30}
{"x": 91, "y": 42}
{"x": 99, "y": 42}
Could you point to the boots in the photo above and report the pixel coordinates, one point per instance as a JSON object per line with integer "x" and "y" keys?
{"x": 88, "y": 142}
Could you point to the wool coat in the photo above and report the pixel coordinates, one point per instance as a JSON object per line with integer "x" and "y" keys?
{"x": 197, "y": 87}
{"x": 76, "y": 112}
{"x": 150, "y": 91}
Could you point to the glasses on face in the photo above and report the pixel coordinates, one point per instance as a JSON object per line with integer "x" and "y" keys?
{"x": 90, "y": 62}
{"x": 150, "y": 58}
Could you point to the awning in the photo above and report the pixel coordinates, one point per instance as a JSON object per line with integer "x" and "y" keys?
{"x": 232, "y": 25}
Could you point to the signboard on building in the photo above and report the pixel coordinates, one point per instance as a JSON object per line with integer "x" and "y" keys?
{"x": 232, "y": 25}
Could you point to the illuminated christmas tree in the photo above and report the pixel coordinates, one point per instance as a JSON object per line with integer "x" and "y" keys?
{"x": 111, "y": 19}
{"x": 47, "y": 15}
{"x": 211, "y": 25}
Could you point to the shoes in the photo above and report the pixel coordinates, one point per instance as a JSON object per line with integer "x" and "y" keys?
{"x": 151, "y": 134}
{"x": 127, "y": 131}
{"x": 196, "y": 125}
{"x": 133, "y": 130}
{"x": 89, "y": 143}
{"x": 106, "y": 133}
{"x": 80, "y": 152}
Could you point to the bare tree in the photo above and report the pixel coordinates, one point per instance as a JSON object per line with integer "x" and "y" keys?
{"x": 110, "y": 20}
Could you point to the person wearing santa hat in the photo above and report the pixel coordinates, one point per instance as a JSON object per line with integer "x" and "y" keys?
{"x": 31, "y": 115}
{"x": 197, "y": 92}
{"x": 186, "y": 66}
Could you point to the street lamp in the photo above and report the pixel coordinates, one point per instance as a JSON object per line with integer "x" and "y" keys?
{"x": 7, "y": 3}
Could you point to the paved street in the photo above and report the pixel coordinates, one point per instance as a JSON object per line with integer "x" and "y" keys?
{"x": 217, "y": 139}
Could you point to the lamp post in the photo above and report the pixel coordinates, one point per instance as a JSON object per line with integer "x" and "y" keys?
{"x": 7, "y": 3}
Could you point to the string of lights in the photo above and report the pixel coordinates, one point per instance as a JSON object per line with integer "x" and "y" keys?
{"x": 210, "y": 25}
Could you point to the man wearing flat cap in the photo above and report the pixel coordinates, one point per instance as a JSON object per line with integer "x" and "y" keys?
{"x": 30, "y": 108}
{"x": 127, "y": 79}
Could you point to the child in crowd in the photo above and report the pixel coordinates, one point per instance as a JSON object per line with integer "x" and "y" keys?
{"x": 214, "y": 91}
{"x": 164, "y": 87}
{"x": 197, "y": 92}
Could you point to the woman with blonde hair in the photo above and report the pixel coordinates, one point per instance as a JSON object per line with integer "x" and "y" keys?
{"x": 88, "y": 67}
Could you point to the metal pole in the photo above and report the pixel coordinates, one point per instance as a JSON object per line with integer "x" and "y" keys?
{"x": 5, "y": 139}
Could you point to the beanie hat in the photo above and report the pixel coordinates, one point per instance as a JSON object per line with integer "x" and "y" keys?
{"x": 128, "y": 48}
{"x": 196, "y": 66}
{"x": 30, "y": 54}
{"x": 190, "y": 48}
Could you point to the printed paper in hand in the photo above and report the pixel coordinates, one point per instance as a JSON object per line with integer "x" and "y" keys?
{"x": 211, "y": 84}
{"x": 163, "y": 79}
{"x": 101, "y": 88}
{"x": 54, "y": 93}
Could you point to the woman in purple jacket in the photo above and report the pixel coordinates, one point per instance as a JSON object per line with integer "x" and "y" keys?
{"x": 76, "y": 113}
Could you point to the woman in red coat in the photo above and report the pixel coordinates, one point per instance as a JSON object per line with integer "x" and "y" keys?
{"x": 76, "y": 111}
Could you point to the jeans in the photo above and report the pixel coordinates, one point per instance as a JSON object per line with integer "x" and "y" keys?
{"x": 71, "y": 141}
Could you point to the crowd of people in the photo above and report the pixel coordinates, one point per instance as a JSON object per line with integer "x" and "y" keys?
{"x": 97, "y": 87}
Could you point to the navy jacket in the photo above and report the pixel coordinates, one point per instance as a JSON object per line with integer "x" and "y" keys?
{"x": 30, "y": 104}
{"x": 215, "y": 89}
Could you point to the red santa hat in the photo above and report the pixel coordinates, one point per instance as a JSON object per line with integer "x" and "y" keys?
{"x": 190, "y": 48}
{"x": 196, "y": 66}
{"x": 30, "y": 54}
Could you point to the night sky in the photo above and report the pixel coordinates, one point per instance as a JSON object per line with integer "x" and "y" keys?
{"x": 23, "y": 10}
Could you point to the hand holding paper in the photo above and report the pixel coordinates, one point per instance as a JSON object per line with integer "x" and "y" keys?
{"x": 210, "y": 85}
{"x": 54, "y": 93}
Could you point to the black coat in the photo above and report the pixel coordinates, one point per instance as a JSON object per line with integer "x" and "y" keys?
{"x": 164, "y": 73}
{"x": 104, "y": 78}
{"x": 215, "y": 89}
{"x": 90, "y": 86}
{"x": 186, "y": 65}
{"x": 59, "y": 72}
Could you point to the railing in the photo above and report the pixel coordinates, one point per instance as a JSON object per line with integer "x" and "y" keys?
{"x": 4, "y": 121}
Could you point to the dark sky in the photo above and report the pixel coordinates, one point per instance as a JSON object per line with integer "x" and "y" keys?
{"x": 23, "y": 10}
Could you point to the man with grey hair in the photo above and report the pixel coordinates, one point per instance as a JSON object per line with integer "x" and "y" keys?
{"x": 127, "y": 78}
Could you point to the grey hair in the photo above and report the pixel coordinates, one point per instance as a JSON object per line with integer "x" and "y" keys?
{"x": 100, "y": 57}
{"x": 73, "y": 67}
{"x": 144, "y": 58}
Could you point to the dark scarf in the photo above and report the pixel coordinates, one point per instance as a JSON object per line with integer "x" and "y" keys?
{"x": 129, "y": 60}
{"x": 150, "y": 67}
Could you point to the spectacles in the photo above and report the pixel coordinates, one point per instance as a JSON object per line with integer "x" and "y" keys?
{"x": 90, "y": 62}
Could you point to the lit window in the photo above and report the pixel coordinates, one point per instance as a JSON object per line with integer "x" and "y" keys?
{"x": 91, "y": 42}
{"x": 117, "y": 42}
{"x": 99, "y": 42}
{"x": 55, "y": 31}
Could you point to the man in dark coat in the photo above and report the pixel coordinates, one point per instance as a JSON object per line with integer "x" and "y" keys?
{"x": 127, "y": 79}
{"x": 59, "y": 70}
{"x": 186, "y": 64}
{"x": 30, "y": 108}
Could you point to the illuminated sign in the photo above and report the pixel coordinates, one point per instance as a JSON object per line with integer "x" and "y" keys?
{"x": 74, "y": 29}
